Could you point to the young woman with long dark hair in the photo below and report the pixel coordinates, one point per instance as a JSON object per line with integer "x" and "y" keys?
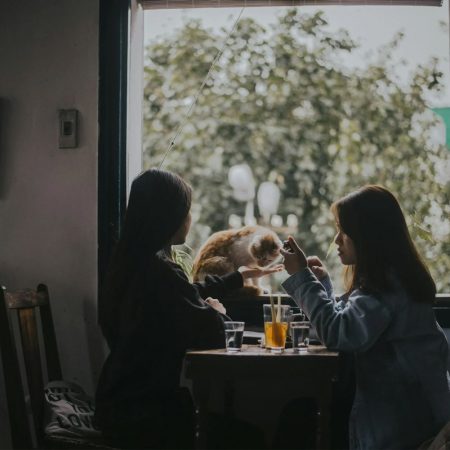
{"x": 385, "y": 319}
{"x": 150, "y": 314}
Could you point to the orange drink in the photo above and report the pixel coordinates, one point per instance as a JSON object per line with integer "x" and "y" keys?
{"x": 276, "y": 319}
{"x": 275, "y": 334}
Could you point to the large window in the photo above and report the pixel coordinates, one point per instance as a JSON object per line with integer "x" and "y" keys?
{"x": 311, "y": 101}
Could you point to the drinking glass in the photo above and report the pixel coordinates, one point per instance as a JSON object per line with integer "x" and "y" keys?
{"x": 276, "y": 326}
{"x": 234, "y": 335}
{"x": 300, "y": 335}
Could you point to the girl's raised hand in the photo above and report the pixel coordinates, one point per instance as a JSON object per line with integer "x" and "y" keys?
{"x": 317, "y": 267}
{"x": 256, "y": 272}
{"x": 294, "y": 257}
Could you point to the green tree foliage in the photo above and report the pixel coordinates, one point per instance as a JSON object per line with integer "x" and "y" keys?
{"x": 281, "y": 101}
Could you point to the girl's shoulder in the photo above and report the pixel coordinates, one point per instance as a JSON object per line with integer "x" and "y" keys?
{"x": 395, "y": 298}
{"x": 164, "y": 270}
{"x": 360, "y": 296}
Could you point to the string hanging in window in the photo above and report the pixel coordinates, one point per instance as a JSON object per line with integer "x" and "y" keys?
{"x": 197, "y": 95}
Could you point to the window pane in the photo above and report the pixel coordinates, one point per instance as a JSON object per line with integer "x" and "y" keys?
{"x": 318, "y": 101}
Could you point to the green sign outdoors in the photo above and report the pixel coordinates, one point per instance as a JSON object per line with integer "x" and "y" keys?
{"x": 444, "y": 113}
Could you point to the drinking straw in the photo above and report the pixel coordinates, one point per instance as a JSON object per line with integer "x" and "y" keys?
{"x": 278, "y": 318}
{"x": 276, "y": 327}
{"x": 272, "y": 309}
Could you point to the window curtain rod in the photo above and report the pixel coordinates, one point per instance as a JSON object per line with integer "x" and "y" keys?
{"x": 182, "y": 4}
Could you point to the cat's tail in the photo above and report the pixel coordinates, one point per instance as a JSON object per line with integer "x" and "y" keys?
{"x": 216, "y": 265}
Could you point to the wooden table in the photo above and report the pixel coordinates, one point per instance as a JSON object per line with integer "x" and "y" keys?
{"x": 312, "y": 372}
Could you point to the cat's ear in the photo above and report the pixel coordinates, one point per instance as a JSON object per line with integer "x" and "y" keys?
{"x": 255, "y": 246}
{"x": 276, "y": 239}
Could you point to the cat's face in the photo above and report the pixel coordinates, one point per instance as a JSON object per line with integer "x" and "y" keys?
{"x": 266, "y": 249}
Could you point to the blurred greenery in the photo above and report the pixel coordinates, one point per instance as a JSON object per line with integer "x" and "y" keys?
{"x": 281, "y": 101}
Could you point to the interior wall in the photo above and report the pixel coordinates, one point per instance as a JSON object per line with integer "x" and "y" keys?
{"x": 48, "y": 196}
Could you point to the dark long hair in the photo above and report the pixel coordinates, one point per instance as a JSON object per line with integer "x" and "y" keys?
{"x": 373, "y": 219}
{"x": 158, "y": 205}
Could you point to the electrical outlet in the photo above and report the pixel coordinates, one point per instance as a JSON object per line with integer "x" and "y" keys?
{"x": 68, "y": 128}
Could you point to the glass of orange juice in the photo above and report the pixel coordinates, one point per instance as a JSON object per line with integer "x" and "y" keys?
{"x": 276, "y": 326}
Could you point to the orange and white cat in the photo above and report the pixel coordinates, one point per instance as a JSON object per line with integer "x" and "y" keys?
{"x": 226, "y": 251}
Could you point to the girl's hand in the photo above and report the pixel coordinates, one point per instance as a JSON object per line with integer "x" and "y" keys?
{"x": 294, "y": 258}
{"x": 317, "y": 267}
{"x": 215, "y": 304}
{"x": 258, "y": 272}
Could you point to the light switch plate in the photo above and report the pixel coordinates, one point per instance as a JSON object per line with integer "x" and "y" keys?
{"x": 68, "y": 128}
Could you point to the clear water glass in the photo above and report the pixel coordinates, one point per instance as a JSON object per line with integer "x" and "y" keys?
{"x": 300, "y": 335}
{"x": 234, "y": 335}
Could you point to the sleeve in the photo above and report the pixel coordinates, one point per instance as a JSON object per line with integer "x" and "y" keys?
{"x": 195, "y": 323}
{"x": 328, "y": 285}
{"x": 219, "y": 286}
{"x": 353, "y": 328}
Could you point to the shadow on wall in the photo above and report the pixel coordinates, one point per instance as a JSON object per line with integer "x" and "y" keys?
{"x": 96, "y": 344}
{"x": 5, "y": 150}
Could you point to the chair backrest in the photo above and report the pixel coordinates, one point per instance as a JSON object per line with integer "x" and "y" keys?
{"x": 25, "y": 305}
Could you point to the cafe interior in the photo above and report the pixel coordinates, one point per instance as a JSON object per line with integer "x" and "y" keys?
{"x": 70, "y": 99}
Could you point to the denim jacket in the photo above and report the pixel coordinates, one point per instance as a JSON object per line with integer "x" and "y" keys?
{"x": 402, "y": 396}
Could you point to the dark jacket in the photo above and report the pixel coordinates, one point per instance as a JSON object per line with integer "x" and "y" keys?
{"x": 161, "y": 317}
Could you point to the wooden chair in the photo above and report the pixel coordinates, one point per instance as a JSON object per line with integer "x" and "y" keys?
{"x": 25, "y": 305}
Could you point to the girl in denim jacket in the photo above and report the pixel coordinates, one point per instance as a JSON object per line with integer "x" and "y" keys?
{"x": 385, "y": 319}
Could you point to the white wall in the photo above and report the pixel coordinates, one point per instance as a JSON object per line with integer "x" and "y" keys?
{"x": 48, "y": 196}
{"x": 135, "y": 88}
